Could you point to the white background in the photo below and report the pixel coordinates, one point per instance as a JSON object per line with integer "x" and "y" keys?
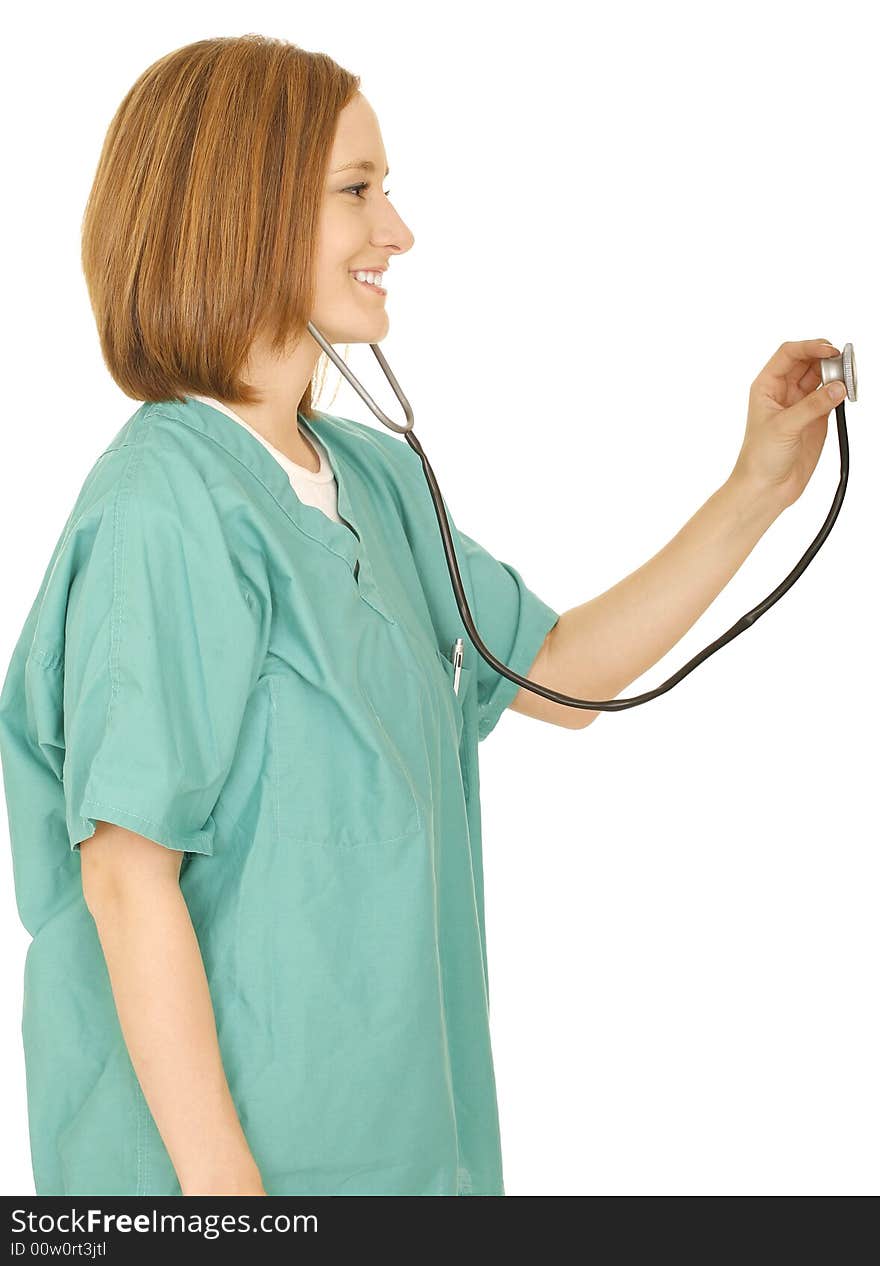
{"x": 620, "y": 212}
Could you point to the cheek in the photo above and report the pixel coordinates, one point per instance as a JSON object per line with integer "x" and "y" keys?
{"x": 332, "y": 276}
{"x": 339, "y": 243}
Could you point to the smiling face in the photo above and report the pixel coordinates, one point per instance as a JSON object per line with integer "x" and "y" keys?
{"x": 359, "y": 231}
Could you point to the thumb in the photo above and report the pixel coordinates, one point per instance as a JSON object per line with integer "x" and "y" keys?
{"x": 816, "y": 404}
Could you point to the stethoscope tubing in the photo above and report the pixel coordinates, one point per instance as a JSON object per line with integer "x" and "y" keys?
{"x": 603, "y": 705}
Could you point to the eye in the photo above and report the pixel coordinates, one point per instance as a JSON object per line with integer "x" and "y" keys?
{"x": 364, "y": 184}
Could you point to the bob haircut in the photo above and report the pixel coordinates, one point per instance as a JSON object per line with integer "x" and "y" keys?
{"x": 200, "y": 228}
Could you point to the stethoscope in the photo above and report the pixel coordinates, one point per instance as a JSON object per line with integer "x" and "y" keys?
{"x": 841, "y": 367}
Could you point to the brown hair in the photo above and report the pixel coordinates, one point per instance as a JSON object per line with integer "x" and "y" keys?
{"x": 200, "y": 227}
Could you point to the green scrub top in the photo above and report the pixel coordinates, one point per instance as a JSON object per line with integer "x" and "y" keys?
{"x": 220, "y": 667}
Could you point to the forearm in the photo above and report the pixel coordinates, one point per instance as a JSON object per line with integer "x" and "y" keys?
{"x": 167, "y": 1019}
{"x": 600, "y": 647}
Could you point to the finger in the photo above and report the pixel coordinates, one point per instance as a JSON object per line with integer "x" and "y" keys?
{"x": 790, "y": 360}
{"x": 816, "y": 404}
{"x": 810, "y": 380}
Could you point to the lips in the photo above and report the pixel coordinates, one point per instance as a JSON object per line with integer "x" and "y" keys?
{"x": 367, "y": 285}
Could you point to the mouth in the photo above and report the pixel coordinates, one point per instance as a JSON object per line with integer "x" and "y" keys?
{"x": 367, "y": 285}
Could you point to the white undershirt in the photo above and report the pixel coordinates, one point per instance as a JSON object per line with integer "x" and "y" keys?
{"x": 315, "y": 487}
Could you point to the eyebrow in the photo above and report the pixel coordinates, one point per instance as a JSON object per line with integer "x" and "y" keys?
{"x": 364, "y": 164}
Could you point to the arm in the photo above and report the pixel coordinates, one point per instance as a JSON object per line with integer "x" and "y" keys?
{"x": 131, "y": 887}
{"x": 595, "y": 650}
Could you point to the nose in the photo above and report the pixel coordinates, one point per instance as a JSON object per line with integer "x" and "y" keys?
{"x": 398, "y": 236}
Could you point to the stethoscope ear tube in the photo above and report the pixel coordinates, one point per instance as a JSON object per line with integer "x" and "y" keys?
{"x": 842, "y": 367}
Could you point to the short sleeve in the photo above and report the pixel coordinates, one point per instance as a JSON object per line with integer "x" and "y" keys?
{"x": 512, "y": 622}
{"x": 160, "y": 655}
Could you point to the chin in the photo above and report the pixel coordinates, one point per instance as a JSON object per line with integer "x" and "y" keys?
{"x": 360, "y": 330}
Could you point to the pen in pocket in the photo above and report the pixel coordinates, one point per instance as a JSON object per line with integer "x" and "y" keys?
{"x": 457, "y": 657}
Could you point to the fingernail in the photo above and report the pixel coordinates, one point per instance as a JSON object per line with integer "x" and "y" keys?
{"x": 836, "y": 390}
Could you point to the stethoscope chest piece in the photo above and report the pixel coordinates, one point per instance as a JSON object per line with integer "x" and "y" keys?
{"x": 842, "y": 368}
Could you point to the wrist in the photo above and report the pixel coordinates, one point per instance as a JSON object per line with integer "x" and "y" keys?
{"x": 753, "y": 499}
{"x": 238, "y": 1179}
{"x": 233, "y": 1185}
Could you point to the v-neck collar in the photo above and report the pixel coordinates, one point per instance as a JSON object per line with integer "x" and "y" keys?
{"x": 347, "y": 543}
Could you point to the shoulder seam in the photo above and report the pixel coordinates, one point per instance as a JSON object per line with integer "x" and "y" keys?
{"x": 119, "y": 520}
{"x": 52, "y": 659}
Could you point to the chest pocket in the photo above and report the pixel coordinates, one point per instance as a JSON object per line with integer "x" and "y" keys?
{"x": 340, "y": 780}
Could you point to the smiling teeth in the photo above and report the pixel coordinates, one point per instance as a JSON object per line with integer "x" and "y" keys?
{"x": 375, "y": 279}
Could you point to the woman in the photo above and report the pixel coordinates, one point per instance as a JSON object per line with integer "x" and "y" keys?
{"x": 241, "y": 774}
